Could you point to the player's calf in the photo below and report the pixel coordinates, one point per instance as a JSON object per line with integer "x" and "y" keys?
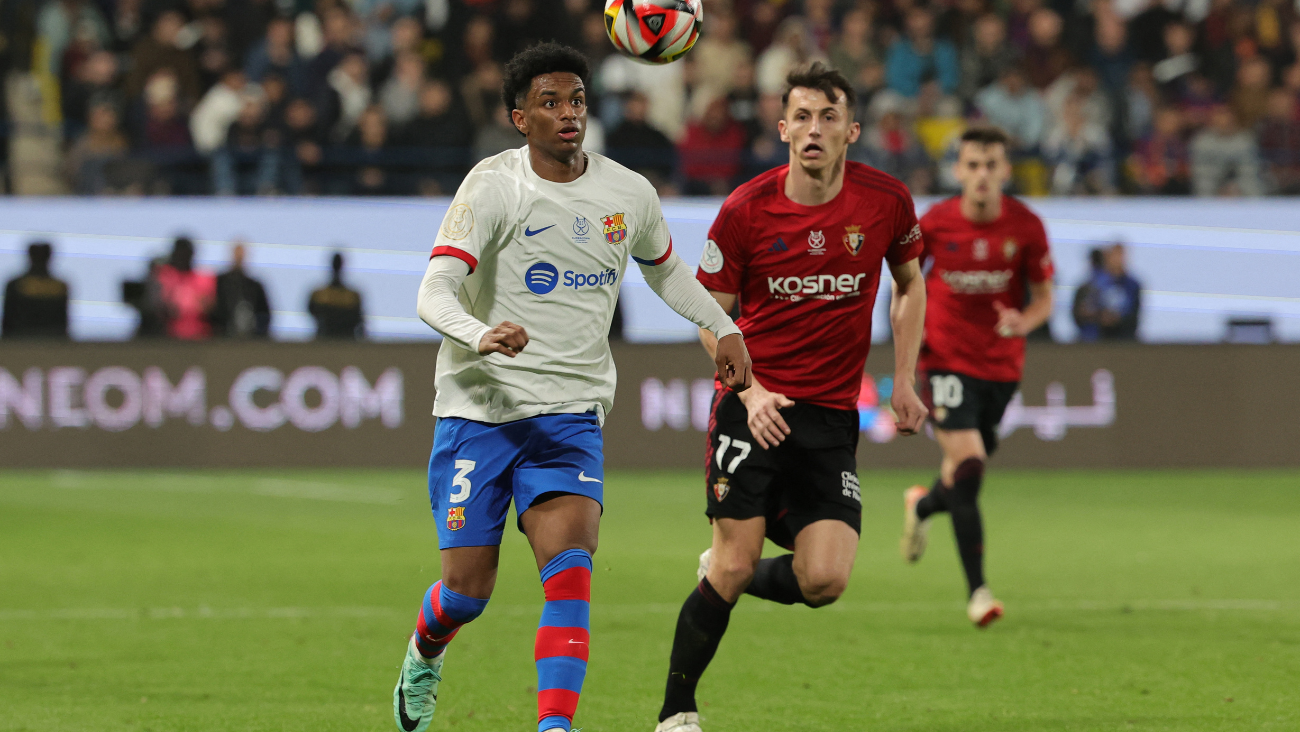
{"x": 442, "y": 615}
{"x": 563, "y": 639}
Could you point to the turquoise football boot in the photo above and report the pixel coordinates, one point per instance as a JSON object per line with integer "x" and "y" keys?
{"x": 417, "y": 690}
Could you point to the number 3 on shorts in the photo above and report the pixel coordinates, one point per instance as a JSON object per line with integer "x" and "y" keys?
{"x": 461, "y": 481}
{"x": 725, "y": 442}
{"x": 946, "y": 390}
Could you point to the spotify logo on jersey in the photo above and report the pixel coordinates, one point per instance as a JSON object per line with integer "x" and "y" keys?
{"x": 541, "y": 278}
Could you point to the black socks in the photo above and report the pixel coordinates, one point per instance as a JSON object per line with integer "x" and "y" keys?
{"x": 700, "y": 627}
{"x": 774, "y": 580}
{"x": 961, "y": 500}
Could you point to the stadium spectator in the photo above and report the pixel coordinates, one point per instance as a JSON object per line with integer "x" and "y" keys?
{"x": 985, "y": 57}
{"x": 159, "y": 51}
{"x": 60, "y": 22}
{"x": 218, "y": 110}
{"x": 337, "y": 307}
{"x": 742, "y": 100}
{"x": 95, "y": 81}
{"x": 1079, "y": 152}
{"x": 304, "y": 139}
{"x": 1081, "y": 83}
{"x": 1015, "y": 106}
{"x": 1160, "y": 163}
{"x": 102, "y": 144}
{"x": 241, "y": 309}
{"x": 889, "y": 145}
{"x": 367, "y": 157}
{"x": 1107, "y": 305}
{"x": 711, "y": 151}
{"x": 638, "y": 145}
{"x": 855, "y": 53}
{"x": 1250, "y": 95}
{"x": 1139, "y": 102}
{"x": 185, "y": 295}
{"x": 166, "y": 130}
{"x": 36, "y": 303}
{"x": 400, "y": 95}
{"x": 212, "y": 50}
{"x": 1110, "y": 56}
{"x": 1046, "y": 57}
{"x": 1279, "y": 143}
{"x": 497, "y": 137}
{"x": 341, "y": 37}
{"x": 1179, "y": 62}
{"x": 766, "y": 150}
{"x": 249, "y": 160}
{"x": 917, "y": 56}
{"x": 1225, "y": 158}
{"x": 348, "y": 95}
{"x": 718, "y": 53}
{"x": 791, "y": 46}
{"x": 276, "y": 53}
{"x": 442, "y": 133}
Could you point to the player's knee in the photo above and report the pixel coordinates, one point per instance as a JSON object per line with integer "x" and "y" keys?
{"x": 821, "y": 589}
{"x": 967, "y": 479}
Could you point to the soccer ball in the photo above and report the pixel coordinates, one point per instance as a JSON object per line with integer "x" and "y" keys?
{"x": 653, "y": 31}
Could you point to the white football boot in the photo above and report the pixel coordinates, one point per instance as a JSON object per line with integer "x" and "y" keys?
{"x": 982, "y": 608}
{"x": 916, "y": 531}
{"x": 681, "y": 722}
{"x": 703, "y": 571}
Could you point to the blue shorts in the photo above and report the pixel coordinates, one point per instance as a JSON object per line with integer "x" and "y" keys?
{"x": 476, "y": 469}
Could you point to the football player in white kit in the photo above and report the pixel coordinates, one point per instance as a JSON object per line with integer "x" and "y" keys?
{"x": 536, "y": 242}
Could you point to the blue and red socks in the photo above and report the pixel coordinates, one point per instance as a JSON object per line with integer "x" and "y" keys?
{"x": 441, "y": 616}
{"x": 562, "y": 638}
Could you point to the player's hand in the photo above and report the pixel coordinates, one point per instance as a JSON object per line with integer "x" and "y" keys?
{"x": 765, "y": 421}
{"x": 909, "y": 412}
{"x": 506, "y": 338}
{"x": 734, "y": 366}
{"x": 1011, "y": 322}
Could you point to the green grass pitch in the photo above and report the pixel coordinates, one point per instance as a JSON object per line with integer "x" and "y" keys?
{"x": 282, "y": 600}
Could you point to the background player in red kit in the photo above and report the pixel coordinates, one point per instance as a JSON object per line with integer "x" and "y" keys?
{"x": 984, "y": 250}
{"x": 800, "y": 249}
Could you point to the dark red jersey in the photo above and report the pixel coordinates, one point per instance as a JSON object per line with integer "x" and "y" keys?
{"x": 973, "y": 266}
{"x": 807, "y": 277}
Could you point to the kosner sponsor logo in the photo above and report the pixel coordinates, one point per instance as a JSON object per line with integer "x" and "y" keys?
{"x": 261, "y": 398}
{"x": 821, "y": 287}
{"x": 978, "y": 282}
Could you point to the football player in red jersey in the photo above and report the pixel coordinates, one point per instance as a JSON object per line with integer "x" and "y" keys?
{"x": 800, "y": 249}
{"x": 984, "y": 250}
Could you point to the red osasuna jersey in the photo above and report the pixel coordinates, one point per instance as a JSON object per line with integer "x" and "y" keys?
{"x": 806, "y": 277}
{"x": 972, "y": 266}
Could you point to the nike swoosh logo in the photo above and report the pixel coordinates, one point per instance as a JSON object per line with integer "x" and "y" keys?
{"x": 582, "y": 478}
{"x": 535, "y": 232}
{"x": 577, "y": 643}
{"x": 408, "y": 724}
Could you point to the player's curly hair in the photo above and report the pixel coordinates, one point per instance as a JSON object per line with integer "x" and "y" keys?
{"x": 532, "y": 62}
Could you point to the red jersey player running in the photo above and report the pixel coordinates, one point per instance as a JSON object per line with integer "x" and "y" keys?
{"x": 800, "y": 249}
{"x": 984, "y": 250}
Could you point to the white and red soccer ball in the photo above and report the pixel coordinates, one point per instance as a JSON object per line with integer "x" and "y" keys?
{"x": 653, "y": 31}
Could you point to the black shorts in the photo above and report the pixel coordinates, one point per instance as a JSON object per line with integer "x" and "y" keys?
{"x": 812, "y": 475}
{"x": 960, "y": 402}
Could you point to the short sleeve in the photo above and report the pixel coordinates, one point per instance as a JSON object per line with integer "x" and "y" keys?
{"x": 474, "y": 221}
{"x": 654, "y": 243}
{"x": 722, "y": 266}
{"x": 907, "y": 244}
{"x": 1038, "y": 255}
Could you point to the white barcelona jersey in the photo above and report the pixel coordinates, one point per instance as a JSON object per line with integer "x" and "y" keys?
{"x": 550, "y": 257}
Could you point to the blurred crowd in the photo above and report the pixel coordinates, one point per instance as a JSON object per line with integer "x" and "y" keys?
{"x": 401, "y": 97}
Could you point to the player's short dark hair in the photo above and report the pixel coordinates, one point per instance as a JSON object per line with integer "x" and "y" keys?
{"x": 986, "y": 135}
{"x": 532, "y": 62}
{"x": 823, "y": 78}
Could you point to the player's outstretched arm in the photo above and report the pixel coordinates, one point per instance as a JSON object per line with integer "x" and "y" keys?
{"x": 675, "y": 283}
{"x": 907, "y": 315}
{"x": 441, "y": 309}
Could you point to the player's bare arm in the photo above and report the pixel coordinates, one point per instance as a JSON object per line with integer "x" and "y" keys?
{"x": 1013, "y": 323}
{"x": 764, "y": 406}
{"x": 907, "y": 316}
{"x": 508, "y": 339}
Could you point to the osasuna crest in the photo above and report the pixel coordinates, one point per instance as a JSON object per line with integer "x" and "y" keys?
{"x": 854, "y": 239}
{"x": 456, "y": 518}
{"x": 980, "y": 249}
{"x": 1009, "y": 248}
{"x": 615, "y": 229}
{"x": 721, "y": 489}
{"x": 816, "y": 242}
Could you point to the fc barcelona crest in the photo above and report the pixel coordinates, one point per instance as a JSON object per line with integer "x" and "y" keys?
{"x": 721, "y": 489}
{"x": 456, "y": 518}
{"x": 854, "y": 239}
{"x": 615, "y": 229}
